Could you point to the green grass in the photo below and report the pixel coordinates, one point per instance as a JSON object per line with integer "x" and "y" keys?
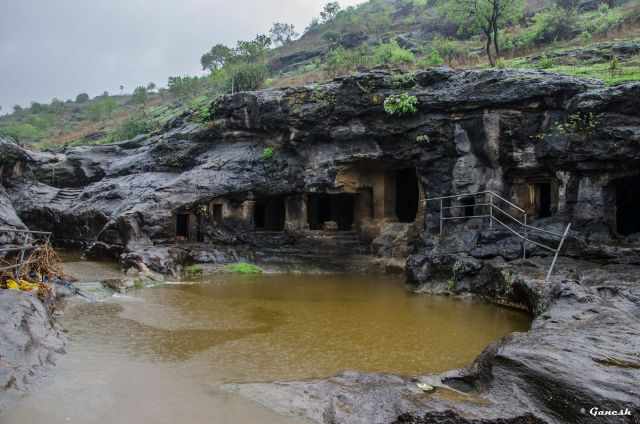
{"x": 601, "y": 71}
{"x": 624, "y": 72}
{"x": 243, "y": 268}
{"x": 193, "y": 271}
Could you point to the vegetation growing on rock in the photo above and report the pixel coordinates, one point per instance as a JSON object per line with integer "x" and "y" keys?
{"x": 401, "y": 104}
{"x": 243, "y": 268}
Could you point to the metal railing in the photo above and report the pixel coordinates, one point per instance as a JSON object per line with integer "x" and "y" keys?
{"x": 500, "y": 211}
{"x": 30, "y": 240}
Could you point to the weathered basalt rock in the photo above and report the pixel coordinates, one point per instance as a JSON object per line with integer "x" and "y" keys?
{"x": 518, "y": 133}
{"x": 29, "y": 340}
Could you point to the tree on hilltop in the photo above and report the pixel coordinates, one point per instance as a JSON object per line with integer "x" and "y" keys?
{"x": 487, "y": 17}
{"x": 215, "y": 58}
{"x": 283, "y": 33}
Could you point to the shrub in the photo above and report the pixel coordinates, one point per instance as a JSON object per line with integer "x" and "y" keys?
{"x": 403, "y": 80}
{"x": 434, "y": 59}
{"x": 586, "y": 37}
{"x": 340, "y": 60}
{"x": 202, "y": 109}
{"x": 392, "y": 53}
{"x": 21, "y": 132}
{"x": 193, "y": 271}
{"x": 102, "y": 108}
{"x": 602, "y": 20}
{"x": 243, "y": 268}
{"x": 545, "y": 62}
{"x": 336, "y": 61}
{"x": 133, "y": 127}
{"x": 500, "y": 63}
{"x": 614, "y": 66}
{"x": 402, "y": 104}
{"x": 548, "y": 26}
{"x": 331, "y": 37}
{"x": 267, "y": 153}
{"x": 447, "y": 49}
{"x": 247, "y": 76}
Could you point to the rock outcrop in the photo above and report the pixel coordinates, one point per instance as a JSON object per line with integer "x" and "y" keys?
{"x": 474, "y": 130}
{"x": 29, "y": 340}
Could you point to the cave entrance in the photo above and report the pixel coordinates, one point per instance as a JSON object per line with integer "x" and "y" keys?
{"x": 538, "y": 197}
{"x": 270, "y": 214}
{"x": 216, "y": 214}
{"x": 628, "y": 205}
{"x": 407, "y": 195}
{"x": 468, "y": 206}
{"x": 182, "y": 226}
{"x": 323, "y": 208}
{"x": 543, "y": 203}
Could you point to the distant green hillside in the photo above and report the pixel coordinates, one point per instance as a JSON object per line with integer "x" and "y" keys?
{"x": 589, "y": 38}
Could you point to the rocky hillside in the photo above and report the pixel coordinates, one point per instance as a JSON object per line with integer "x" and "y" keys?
{"x": 595, "y": 40}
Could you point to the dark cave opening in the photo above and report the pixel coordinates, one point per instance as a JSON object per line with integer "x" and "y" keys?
{"x": 544, "y": 200}
{"x": 182, "y": 225}
{"x": 322, "y": 208}
{"x": 216, "y": 214}
{"x": 628, "y": 205}
{"x": 407, "y": 195}
{"x": 270, "y": 214}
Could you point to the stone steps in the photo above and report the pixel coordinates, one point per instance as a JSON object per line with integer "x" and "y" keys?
{"x": 65, "y": 195}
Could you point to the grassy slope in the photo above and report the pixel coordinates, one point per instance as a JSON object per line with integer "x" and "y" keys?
{"x": 382, "y": 20}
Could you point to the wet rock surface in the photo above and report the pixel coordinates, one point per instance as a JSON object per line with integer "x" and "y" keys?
{"x": 499, "y": 130}
{"x": 30, "y": 341}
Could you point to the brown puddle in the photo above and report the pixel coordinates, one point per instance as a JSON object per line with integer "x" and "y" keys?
{"x": 161, "y": 354}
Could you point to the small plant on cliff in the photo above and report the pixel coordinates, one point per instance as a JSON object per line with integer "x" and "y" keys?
{"x": 451, "y": 285}
{"x": 401, "y": 104}
{"x": 202, "y": 110}
{"x": 422, "y": 139}
{"x": 614, "y": 67}
{"x": 267, "y": 153}
{"x": 243, "y": 268}
{"x": 545, "y": 62}
{"x": 580, "y": 122}
{"x": 403, "y": 81}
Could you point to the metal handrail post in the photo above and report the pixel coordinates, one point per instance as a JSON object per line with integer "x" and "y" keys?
{"x": 555, "y": 257}
{"x": 441, "y": 216}
{"x": 25, "y": 245}
{"x": 490, "y": 211}
{"x": 524, "y": 244}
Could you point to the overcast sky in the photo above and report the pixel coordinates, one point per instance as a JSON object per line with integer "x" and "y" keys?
{"x": 59, "y": 48}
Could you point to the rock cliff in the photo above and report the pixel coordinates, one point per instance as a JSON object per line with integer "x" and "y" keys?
{"x": 324, "y": 170}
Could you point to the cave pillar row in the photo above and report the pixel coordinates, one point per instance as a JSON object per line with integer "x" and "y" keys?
{"x": 194, "y": 226}
{"x": 421, "y": 213}
{"x": 384, "y": 198}
{"x": 248, "y": 210}
{"x": 363, "y": 208}
{"x": 590, "y": 204}
{"x": 563, "y": 184}
{"x": 296, "y": 213}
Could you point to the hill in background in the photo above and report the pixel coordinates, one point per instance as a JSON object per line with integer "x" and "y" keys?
{"x": 593, "y": 38}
